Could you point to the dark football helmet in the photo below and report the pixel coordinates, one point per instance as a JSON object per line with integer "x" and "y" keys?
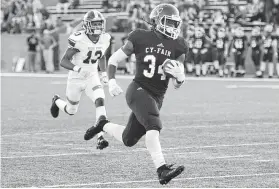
{"x": 166, "y": 20}
{"x": 94, "y": 23}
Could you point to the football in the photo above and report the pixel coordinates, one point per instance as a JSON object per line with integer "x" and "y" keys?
{"x": 164, "y": 68}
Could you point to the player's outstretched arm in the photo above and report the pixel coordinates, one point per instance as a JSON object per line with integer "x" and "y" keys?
{"x": 117, "y": 57}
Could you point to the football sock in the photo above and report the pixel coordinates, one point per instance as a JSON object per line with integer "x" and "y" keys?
{"x": 216, "y": 65}
{"x": 270, "y": 69}
{"x": 61, "y": 104}
{"x": 262, "y": 67}
{"x": 221, "y": 72}
{"x": 277, "y": 68}
{"x": 204, "y": 69}
{"x": 198, "y": 69}
{"x": 153, "y": 145}
{"x": 101, "y": 110}
{"x": 189, "y": 67}
{"x": 226, "y": 71}
{"x": 114, "y": 130}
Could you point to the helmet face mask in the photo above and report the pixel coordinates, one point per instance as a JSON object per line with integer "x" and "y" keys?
{"x": 221, "y": 33}
{"x": 166, "y": 20}
{"x": 199, "y": 32}
{"x": 256, "y": 31}
{"x": 94, "y": 23}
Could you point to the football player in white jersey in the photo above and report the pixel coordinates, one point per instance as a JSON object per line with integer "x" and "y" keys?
{"x": 86, "y": 49}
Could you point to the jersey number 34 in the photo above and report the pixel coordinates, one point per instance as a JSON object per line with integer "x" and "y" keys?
{"x": 92, "y": 60}
{"x": 152, "y": 60}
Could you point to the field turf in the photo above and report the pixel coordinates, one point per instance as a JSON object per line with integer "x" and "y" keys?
{"x": 225, "y": 132}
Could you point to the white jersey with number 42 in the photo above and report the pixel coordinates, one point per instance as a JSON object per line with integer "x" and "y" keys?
{"x": 89, "y": 53}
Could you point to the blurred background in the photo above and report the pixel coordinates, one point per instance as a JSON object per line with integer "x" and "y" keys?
{"x": 30, "y": 27}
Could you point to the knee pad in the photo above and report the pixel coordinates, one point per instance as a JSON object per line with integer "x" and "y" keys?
{"x": 154, "y": 122}
{"x": 99, "y": 102}
{"x": 129, "y": 142}
{"x": 71, "y": 109}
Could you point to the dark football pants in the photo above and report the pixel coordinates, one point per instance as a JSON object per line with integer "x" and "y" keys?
{"x": 268, "y": 56}
{"x": 256, "y": 57}
{"x": 145, "y": 114}
{"x": 239, "y": 60}
{"x": 214, "y": 54}
{"x": 221, "y": 57}
{"x": 189, "y": 57}
{"x": 199, "y": 58}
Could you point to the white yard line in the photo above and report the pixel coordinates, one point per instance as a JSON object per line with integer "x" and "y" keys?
{"x": 165, "y": 128}
{"x": 38, "y": 75}
{"x": 253, "y": 86}
{"x": 149, "y": 181}
{"x": 229, "y": 157}
{"x": 141, "y": 150}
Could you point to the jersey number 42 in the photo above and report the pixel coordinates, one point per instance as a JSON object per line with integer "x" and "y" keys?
{"x": 92, "y": 60}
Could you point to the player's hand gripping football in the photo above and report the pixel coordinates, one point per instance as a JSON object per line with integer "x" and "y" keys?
{"x": 84, "y": 73}
{"x": 114, "y": 89}
{"x": 176, "y": 69}
{"x": 104, "y": 78}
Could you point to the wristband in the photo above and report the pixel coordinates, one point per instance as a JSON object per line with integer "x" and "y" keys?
{"x": 104, "y": 74}
{"x": 76, "y": 68}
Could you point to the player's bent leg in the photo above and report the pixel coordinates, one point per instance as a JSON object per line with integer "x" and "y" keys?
{"x": 71, "y": 107}
{"x": 133, "y": 131}
{"x": 270, "y": 69}
{"x": 277, "y": 69}
{"x": 95, "y": 92}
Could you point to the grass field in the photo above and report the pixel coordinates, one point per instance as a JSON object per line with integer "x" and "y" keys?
{"x": 225, "y": 132}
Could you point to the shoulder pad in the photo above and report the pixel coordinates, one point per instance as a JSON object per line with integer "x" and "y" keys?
{"x": 134, "y": 35}
{"x": 75, "y": 37}
{"x": 106, "y": 36}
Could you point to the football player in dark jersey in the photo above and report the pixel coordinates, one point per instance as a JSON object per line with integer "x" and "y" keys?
{"x": 277, "y": 50}
{"x": 256, "y": 42}
{"x": 239, "y": 46}
{"x": 268, "y": 51}
{"x": 200, "y": 48}
{"x": 190, "y": 40}
{"x": 213, "y": 49}
{"x": 221, "y": 43}
{"x": 144, "y": 96}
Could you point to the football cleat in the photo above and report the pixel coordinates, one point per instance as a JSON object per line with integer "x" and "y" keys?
{"x": 102, "y": 143}
{"x": 54, "y": 110}
{"x": 95, "y": 129}
{"x": 167, "y": 172}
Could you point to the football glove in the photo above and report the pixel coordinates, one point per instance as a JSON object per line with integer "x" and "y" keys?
{"x": 114, "y": 89}
{"x": 104, "y": 78}
{"x": 176, "y": 69}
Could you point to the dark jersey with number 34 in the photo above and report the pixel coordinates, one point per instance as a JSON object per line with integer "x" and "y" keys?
{"x": 151, "y": 51}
